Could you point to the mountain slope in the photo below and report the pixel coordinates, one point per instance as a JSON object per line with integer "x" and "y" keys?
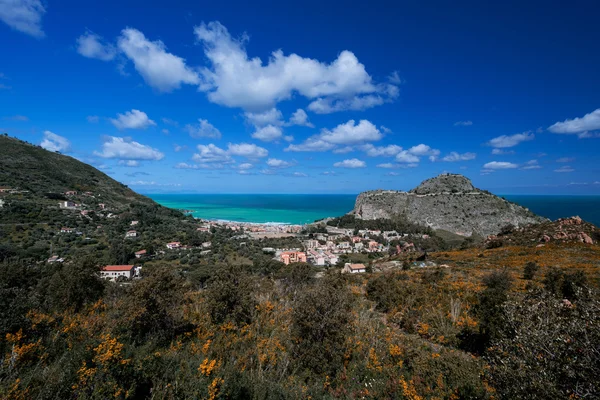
{"x": 29, "y": 167}
{"x": 449, "y": 202}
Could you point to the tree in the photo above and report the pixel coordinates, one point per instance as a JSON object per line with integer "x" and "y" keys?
{"x": 75, "y": 285}
{"x": 530, "y": 269}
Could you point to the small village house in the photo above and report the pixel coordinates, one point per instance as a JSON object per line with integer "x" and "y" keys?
{"x": 4, "y": 189}
{"x": 131, "y": 234}
{"x": 354, "y": 268}
{"x": 71, "y": 193}
{"x": 140, "y": 254}
{"x": 134, "y": 223}
{"x": 112, "y": 272}
{"x": 66, "y": 230}
{"x": 173, "y": 245}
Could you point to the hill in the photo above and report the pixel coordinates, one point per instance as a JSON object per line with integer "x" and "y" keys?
{"x": 45, "y": 174}
{"x": 449, "y": 202}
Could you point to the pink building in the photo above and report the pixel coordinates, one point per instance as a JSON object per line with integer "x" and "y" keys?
{"x": 289, "y": 257}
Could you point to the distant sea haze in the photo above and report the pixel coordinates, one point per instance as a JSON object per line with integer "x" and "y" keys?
{"x": 306, "y": 208}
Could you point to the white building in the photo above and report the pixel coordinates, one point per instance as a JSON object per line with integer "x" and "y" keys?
{"x": 130, "y": 234}
{"x": 354, "y": 268}
{"x": 173, "y": 245}
{"x": 112, "y": 272}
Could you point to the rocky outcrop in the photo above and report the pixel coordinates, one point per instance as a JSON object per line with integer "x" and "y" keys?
{"x": 449, "y": 202}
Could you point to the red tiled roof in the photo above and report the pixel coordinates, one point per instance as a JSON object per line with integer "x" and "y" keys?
{"x": 117, "y": 268}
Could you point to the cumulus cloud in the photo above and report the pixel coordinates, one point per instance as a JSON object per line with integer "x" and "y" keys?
{"x": 91, "y": 45}
{"x": 565, "y": 168}
{"x": 454, "y": 156}
{"x": 160, "y": 69}
{"x": 299, "y": 175}
{"x": 531, "y": 164}
{"x": 211, "y": 154}
{"x": 413, "y": 154}
{"x": 277, "y": 163}
{"x": 23, "y": 15}
{"x": 505, "y": 141}
{"x": 343, "y": 150}
{"x": 352, "y": 133}
{"x": 268, "y": 133}
{"x": 127, "y": 149}
{"x": 381, "y": 151}
{"x": 349, "y": 133}
{"x": 589, "y": 122}
{"x": 235, "y": 80}
{"x": 247, "y": 150}
{"x": 245, "y": 166}
{"x": 351, "y": 163}
{"x": 494, "y": 165}
{"x": 463, "y": 123}
{"x": 203, "y": 129}
{"x": 300, "y": 117}
{"x": 406, "y": 157}
{"x": 134, "y": 119}
{"x": 311, "y": 144}
{"x": 54, "y": 142}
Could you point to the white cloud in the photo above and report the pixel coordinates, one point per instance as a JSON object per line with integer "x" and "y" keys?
{"x": 588, "y": 135}
{"x": 18, "y": 118}
{"x": 565, "y": 159}
{"x": 134, "y": 119}
{"x": 123, "y": 148}
{"x": 531, "y": 164}
{"x": 54, "y": 142}
{"x": 463, "y": 123}
{"x": 169, "y": 121}
{"x": 299, "y": 175}
{"x": 502, "y": 152}
{"x": 352, "y": 133}
{"x": 245, "y": 166}
{"x": 392, "y": 173}
{"x": 179, "y": 148}
{"x": 395, "y": 78}
{"x": 93, "y": 119}
{"x": 381, "y": 151}
{"x": 271, "y": 116}
{"x": 505, "y": 141}
{"x": 405, "y": 157}
{"x": 199, "y": 166}
{"x": 268, "y": 133}
{"x": 588, "y": 122}
{"x": 23, "y": 15}
{"x": 203, "y": 129}
{"x": 454, "y": 156}
{"x": 235, "y": 80}
{"x": 211, "y": 154}
{"x": 387, "y": 165}
{"x": 351, "y": 163}
{"x": 343, "y": 150}
{"x": 161, "y": 70}
{"x": 277, "y": 163}
{"x": 311, "y": 144}
{"x": 578, "y": 183}
{"x": 300, "y": 117}
{"x": 385, "y": 129}
{"x": 564, "y": 168}
{"x": 330, "y": 105}
{"x": 91, "y": 45}
{"x": 247, "y": 150}
{"x": 129, "y": 163}
{"x": 165, "y": 131}
{"x": 183, "y": 165}
{"x": 494, "y": 165}
{"x": 329, "y": 173}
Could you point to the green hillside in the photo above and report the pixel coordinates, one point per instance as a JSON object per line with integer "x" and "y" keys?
{"x": 29, "y": 167}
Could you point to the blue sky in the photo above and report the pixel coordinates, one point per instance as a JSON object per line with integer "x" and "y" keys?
{"x": 310, "y": 97}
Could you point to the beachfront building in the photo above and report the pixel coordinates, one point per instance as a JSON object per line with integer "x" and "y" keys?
{"x": 289, "y": 257}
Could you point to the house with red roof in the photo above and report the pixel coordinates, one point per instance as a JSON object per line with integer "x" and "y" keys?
{"x": 112, "y": 272}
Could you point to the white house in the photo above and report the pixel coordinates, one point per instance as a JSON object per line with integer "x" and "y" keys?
{"x": 133, "y": 223}
{"x": 130, "y": 234}
{"x": 354, "y": 268}
{"x": 66, "y": 230}
{"x": 173, "y": 245}
{"x": 140, "y": 254}
{"x": 112, "y": 272}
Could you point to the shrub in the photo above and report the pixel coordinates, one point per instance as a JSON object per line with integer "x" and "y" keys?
{"x": 553, "y": 281}
{"x": 230, "y": 296}
{"x": 530, "y": 269}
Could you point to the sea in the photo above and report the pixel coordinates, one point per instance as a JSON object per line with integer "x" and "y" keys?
{"x": 306, "y": 208}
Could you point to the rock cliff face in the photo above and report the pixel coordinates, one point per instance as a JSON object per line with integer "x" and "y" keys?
{"x": 449, "y": 202}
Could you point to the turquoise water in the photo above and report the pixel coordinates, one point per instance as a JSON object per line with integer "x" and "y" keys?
{"x": 306, "y": 208}
{"x": 261, "y": 208}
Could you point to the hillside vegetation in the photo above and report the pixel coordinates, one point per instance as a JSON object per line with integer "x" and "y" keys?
{"x": 517, "y": 317}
